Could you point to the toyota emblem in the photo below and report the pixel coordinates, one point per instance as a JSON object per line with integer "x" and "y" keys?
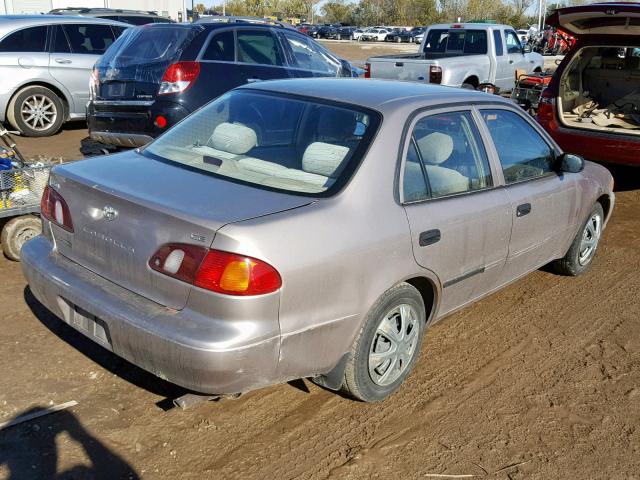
{"x": 109, "y": 213}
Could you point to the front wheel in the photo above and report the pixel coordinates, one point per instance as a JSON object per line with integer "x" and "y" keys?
{"x": 16, "y": 232}
{"x": 388, "y": 345}
{"x": 580, "y": 255}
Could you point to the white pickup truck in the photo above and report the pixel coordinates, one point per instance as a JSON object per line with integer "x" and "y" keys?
{"x": 461, "y": 55}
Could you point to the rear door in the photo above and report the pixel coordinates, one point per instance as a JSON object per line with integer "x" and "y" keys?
{"x": 75, "y": 49}
{"x": 543, "y": 202}
{"x": 23, "y": 57}
{"x": 460, "y": 220}
{"x": 259, "y": 55}
{"x": 218, "y": 63}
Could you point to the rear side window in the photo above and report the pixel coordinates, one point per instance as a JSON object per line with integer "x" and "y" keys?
{"x": 31, "y": 39}
{"x": 60, "y": 42}
{"x": 221, "y": 47}
{"x": 446, "y": 156}
{"x": 497, "y": 39}
{"x": 529, "y": 157}
{"x": 258, "y": 47}
{"x": 89, "y": 39}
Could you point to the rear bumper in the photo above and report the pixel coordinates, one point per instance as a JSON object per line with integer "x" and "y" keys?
{"x": 198, "y": 352}
{"x": 593, "y": 145}
{"x": 124, "y": 124}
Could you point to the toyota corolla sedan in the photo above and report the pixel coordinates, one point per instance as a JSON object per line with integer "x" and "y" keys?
{"x": 309, "y": 228}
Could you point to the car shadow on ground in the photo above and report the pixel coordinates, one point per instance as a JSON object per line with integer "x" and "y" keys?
{"x": 107, "y": 360}
{"x": 626, "y": 178}
{"x": 28, "y": 450}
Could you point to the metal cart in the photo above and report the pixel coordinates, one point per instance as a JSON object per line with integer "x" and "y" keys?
{"x": 528, "y": 89}
{"x": 21, "y": 188}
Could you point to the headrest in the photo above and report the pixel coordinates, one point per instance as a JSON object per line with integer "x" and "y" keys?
{"x": 323, "y": 158}
{"x": 336, "y": 124}
{"x": 435, "y": 148}
{"x": 233, "y": 138}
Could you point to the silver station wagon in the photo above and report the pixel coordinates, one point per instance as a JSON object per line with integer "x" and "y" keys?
{"x": 309, "y": 228}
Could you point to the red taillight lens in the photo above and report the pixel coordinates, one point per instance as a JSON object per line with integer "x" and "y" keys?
{"x": 367, "y": 70}
{"x": 55, "y": 209}
{"x": 435, "y": 74}
{"x": 546, "y": 105}
{"x": 160, "y": 121}
{"x": 214, "y": 270}
{"x": 178, "y": 77}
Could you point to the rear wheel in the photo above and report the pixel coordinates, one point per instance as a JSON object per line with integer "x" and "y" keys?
{"x": 388, "y": 345}
{"x": 398, "y": 40}
{"x": 16, "y": 232}
{"x": 585, "y": 244}
{"x": 36, "y": 112}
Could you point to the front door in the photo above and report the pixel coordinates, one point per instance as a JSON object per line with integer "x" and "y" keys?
{"x": 459, "y": 221}
{"x": 543, "y": 202}
{"x": 75, "y": 49}
{"x": 515, "y": 53}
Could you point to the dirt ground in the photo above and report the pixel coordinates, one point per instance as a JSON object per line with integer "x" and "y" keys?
{"x": 541, "y": 380}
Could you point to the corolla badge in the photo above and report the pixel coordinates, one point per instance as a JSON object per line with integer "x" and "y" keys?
{"x": 109, "y": 213}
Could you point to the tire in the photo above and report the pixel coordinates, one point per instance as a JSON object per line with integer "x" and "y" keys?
{"x": 398, "y": 40}
{"x": 468, "y": 86}
{"x": 584, "y": 247}
{"x": 47, "y": 107}
{"x": 373, "y": 383}
{"x": 16, "y": 232}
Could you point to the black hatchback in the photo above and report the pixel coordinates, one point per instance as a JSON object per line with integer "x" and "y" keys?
{"x": 155, "y": 75}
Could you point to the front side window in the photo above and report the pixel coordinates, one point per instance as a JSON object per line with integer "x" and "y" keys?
{"x": 309, "y": 56}
{"x": 258, "y": 47}
{"x": 271, "y": 141}
{"x": 522, "y": 151}
{"x": 513, "y": 42}
{"x": 221, "y": 47}
{"x": 89, "y": 39}
{"x": 27, "y": 40}
{"x": 446, "y": 149}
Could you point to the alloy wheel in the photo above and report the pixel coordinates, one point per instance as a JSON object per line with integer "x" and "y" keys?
{"x": 39, "y": 112}
{"x": 590, "y": 238}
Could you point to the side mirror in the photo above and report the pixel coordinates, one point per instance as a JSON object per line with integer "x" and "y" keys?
{"x": 570, "y": 163}
{"x": 527, "y": 49}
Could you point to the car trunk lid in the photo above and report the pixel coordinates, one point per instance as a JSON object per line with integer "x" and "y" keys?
{"x": 599, "y": 19}
{"x": 132, "y": 68}
{"x": 125, "y": 206}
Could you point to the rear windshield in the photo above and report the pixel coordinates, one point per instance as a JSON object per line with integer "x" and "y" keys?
{"x": 272, "y": 141}
{"x": 159, "y": 43}
{"x": 456, "y": 41}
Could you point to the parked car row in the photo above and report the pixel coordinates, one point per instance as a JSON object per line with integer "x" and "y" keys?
{"x": 145, "y": 79}
{"x": 381, "y": 34}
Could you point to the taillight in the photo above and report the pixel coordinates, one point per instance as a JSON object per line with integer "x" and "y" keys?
{"x": 178, "y": 77}
{"x": 367, "y": 70}
{"x": 160, "y": 121}
{"x": 546, "y": 105}
{"x": 214, "y": 270}
{"x": 55, "y": 209}
{"x": 435, "y": 74}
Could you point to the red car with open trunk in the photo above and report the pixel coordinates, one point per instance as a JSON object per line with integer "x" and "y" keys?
{"x": 592, "y": 105}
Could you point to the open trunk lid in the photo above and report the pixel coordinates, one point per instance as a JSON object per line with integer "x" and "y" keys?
{"x": 598, "y": 19}
{"x": 132, "y": 68}
{"x": 125, "y": 206}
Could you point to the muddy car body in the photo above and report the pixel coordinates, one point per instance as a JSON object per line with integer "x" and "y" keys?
{"x": 229, "y": 255}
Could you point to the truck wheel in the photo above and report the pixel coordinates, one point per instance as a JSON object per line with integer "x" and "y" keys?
{"x": 398, "y": 40}
{"x": 36, "y": 112}
{"x": 388, "y": 345}
{"x": 16, "y": 232}
{"x": 468, "y": 86}
{"x": 583, "y": 249}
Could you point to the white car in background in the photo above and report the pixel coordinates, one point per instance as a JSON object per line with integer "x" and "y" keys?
{"x": 375, "y": 34}
{"x": 358, "y": 32}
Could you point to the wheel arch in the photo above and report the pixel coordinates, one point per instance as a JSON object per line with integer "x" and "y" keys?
{"x": 472, "y": 79}
{"x": 605, "y": 202}
{"x": 429, "y": 293}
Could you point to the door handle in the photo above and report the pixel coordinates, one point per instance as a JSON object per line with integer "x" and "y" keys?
{"x": 253, "y": 80}
{"x": 62, "y": 60}
{"x": 523, "y": 210}
{"x": 429, "y": 237}
{"x": 510, "y": 62}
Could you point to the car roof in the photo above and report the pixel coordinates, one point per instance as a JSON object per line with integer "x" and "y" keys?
{"x": 11, "y": 22}
{"x": 381, "y": 95}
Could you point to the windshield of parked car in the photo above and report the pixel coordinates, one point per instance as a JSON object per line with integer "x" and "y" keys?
{"x": 271, "y": 140}
{"x": 456, "y": 41}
